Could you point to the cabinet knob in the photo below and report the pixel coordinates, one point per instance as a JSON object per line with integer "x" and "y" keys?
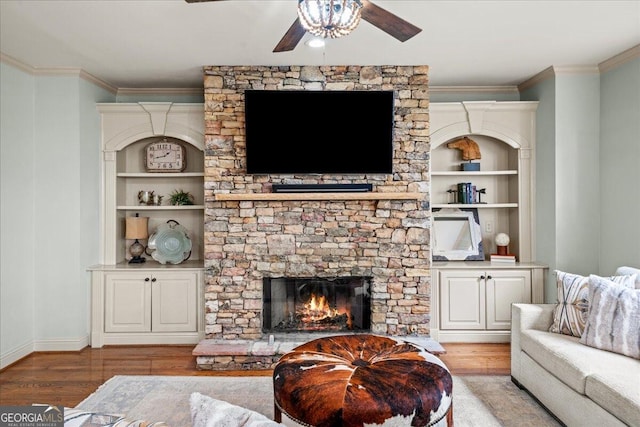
{"x": 482, "y": 277}
{"x": 146, "y": 279}
{"x": 488, "y": 277}
{"x": 153, "y": 280}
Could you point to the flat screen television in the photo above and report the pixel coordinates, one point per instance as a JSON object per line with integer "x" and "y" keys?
{"x": 319, "y": 132}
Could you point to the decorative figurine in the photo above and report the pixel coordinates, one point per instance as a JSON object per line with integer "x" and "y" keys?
{"x": 470, "y": 151}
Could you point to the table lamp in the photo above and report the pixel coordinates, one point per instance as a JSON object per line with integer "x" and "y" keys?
{"x": 136, "y": 228}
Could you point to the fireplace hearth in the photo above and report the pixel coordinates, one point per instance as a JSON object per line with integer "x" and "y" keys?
{"x": 316, "y": 304}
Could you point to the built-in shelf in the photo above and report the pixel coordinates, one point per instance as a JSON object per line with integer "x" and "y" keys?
{"x": 317, "y": 196}
{"x": 471, "y": 300}
{"x": 148, "y": 303}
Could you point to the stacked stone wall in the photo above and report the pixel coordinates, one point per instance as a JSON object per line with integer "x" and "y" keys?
{"x": 387, "y": 240}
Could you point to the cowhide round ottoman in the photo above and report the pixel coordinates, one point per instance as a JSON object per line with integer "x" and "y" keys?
{"x": 362, "y": 380}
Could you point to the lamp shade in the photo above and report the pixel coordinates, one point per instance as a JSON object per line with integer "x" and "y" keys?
{"x": 137, "y": 227}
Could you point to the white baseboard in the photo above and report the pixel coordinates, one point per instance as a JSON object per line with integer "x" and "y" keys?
{"x": 155, "y": 338}
{"x": 16, "y": 354}
{"x": 470, "y": 336}
{"x": 76, "y": 344}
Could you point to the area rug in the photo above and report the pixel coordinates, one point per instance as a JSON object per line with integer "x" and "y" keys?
{"x": 479, "y": 401}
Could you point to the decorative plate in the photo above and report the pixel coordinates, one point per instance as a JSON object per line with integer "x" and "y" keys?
{"x": 171, "y": 243}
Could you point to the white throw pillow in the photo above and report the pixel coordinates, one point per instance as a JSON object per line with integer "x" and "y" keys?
{"x": 624, "y": 270}
{"x": 613, "y": 322}
{"x": 570, "y": 314}
{"x": 209, "y": 412}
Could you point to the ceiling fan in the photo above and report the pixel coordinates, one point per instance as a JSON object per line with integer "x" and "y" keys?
{"x": 375, "y": 15}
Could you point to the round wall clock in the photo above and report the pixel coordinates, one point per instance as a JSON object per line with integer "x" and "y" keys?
{"x": 165, "y": 156}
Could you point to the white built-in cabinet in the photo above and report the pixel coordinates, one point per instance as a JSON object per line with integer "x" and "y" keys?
{"x": 150, "y": 302}
{"x": 472, "y": 299}
{"x": 480, "y": 299}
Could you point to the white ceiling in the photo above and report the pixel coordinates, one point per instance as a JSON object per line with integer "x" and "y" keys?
{"x": 165, "y": 43}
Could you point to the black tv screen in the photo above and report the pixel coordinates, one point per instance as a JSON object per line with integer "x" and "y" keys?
{"x": 319, "y": 132}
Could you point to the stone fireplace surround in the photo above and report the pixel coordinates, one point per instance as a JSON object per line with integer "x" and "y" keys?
{"x": 249, "y": 238}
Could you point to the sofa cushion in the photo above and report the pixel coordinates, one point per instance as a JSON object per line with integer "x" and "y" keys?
{"x": 613, "y": 390}
{"x": 613, "y": 322}
{"x": 570, "y": 314}
{"x": 570, "y": 361}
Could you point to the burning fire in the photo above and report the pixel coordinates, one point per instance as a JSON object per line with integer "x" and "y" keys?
{"x": 317, "y": 309}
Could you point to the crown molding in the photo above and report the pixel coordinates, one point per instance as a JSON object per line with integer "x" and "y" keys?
{"x": 15, "y": 63}
{"x": 543, "y": 75}
{"x": 57, "y": 71}
{"x": 474, "y": 89}
{"x": 603, "y": 67}
{"x": 619, "y": 59}
{"x": 161, "y": 91}
{"x": 576, "y": 69}
{"x": 553, "y": 71}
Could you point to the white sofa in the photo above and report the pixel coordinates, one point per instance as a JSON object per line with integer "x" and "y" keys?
{"x": 580, "y": 385}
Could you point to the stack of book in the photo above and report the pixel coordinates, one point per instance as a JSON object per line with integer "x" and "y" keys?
{"x": 508, "y": 258}
{"x": 467, "y": 193}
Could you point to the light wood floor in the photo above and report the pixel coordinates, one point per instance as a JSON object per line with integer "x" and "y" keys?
{"x": 66, "y": 378}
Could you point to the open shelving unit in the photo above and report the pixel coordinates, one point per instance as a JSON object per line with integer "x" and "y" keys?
{"x": 150, "y": 302}
{"x": 131, "y": 178}
{"x": 472, "y": 299}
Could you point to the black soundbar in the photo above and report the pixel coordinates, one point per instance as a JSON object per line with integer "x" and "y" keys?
{"x": 321, "y": 188}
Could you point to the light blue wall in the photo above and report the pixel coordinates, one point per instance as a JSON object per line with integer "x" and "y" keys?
{"x": 577, "y": 172}
{"x": 90, "y": 173}
{"x": 17, "y": 206}
{"x": 545, "y": 182}
{"x": 588, "y": 172}
{"x": 51, "y": 171}
{"x": 620, "y": 167}
{"x": 51, "y": 207}
{"x": 57, "y": 206}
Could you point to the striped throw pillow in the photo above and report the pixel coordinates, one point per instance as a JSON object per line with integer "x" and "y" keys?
{"x": 613, "y": 322}
{"x": 570, "y": 314}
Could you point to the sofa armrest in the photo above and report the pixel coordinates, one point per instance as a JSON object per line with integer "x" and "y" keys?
{"x": 534, "y": 316}
{"x": 523, "y": 317}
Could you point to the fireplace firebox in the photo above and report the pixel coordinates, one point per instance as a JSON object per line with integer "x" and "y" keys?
{"x": 316, "y": 304}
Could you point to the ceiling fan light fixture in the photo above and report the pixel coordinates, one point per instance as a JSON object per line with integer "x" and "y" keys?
{"x": 315, "y": 42}
{"x": 329, "y": 18}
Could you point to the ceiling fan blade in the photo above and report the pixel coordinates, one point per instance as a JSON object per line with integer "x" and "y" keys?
{"x": 291, "y": 38}
{"x": 388, "y": 22}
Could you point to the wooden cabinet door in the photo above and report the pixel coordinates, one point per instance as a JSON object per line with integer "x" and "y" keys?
{"x": 127, "y": 302}
{"x": 505, "y": 287}
{"x": 462, "y": 300}
{"x": 174, "y": 302}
